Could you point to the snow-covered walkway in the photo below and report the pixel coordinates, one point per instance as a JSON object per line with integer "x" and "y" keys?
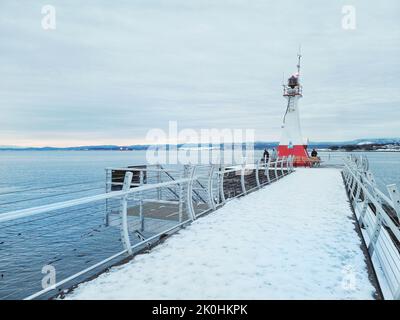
{"x": 294, "y": 239}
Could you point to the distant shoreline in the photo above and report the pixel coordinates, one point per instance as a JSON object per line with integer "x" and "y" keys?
{"x": 363, "y": 145}
{"x": 385, "y": 151}
{"x": 133, "y": 150}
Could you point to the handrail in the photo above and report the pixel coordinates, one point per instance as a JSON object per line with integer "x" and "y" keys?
{"x": 141, "y": 169}
{"x": 377, "y": 205}
{"x": 172, "y": 178}
{"x": 381, "y": 195}
{"x": 380, "y": 231}
{"x": 104, "y": 196}
{"x": 187, "y": 209}
{"x": 72, "y": 203}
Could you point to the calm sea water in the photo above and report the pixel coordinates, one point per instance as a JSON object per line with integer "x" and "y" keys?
{"x": 384, "y": 165}
{"x": 71, "y": 240}
{"x": 21, "y": 170}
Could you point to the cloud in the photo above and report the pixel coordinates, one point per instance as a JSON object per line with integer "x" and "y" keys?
{"x": 112, "y": 71}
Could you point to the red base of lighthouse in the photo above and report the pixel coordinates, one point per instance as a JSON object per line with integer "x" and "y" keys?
{"x": 299, "y": 152}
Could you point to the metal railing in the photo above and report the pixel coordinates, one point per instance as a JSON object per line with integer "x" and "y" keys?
{"x": 378, "y": 217}
{"x": 79, "y": 238}
{"x": 324, "y": 159}
{"x": 331, "y": 159}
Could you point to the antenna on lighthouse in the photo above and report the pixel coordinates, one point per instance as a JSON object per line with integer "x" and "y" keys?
{"x": 299, "y": 57}
{"x": 283, "y": 82}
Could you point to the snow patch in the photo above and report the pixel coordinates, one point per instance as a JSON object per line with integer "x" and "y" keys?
{"x": 294, "y": 239}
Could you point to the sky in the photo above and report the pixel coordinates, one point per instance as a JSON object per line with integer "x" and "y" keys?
{"x": 112, "y": 71}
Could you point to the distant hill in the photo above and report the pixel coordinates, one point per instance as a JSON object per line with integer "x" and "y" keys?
{"x": 357, "y": 142}
{"x": 258, "y": 145}
{"x": 79, "y": 148}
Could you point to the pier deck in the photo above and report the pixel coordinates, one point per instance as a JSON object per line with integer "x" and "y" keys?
{"x": 294, "y": 239}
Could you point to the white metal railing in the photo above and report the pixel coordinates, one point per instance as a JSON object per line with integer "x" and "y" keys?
{"x": 378, "y": 217}
{"x": 144, "y": 211}
{"x": 333, "y": 158}
{"x": 325, "y": 159}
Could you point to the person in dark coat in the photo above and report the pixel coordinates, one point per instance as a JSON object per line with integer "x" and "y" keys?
{"x": 266, "y": 155}
{"x": 314, "y": 153}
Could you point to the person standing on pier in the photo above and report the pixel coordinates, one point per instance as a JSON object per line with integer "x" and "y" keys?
{"x": 266, "y": 155}
{"x": 315, "y": 160}
{"x": 314, "y": 153}
{"x": 274, "y": 154}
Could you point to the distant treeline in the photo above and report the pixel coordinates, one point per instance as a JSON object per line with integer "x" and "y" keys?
{"x": 364, "y": 147}
{"x": 258, "y": 145}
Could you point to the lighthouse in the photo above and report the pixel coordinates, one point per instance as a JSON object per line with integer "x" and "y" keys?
{"x": 291, "y": 143}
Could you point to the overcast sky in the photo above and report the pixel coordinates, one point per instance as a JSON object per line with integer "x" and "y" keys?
{"x": 112, "y": 70}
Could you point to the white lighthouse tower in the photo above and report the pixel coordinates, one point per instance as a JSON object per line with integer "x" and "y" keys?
{"x": 291, "y": 143}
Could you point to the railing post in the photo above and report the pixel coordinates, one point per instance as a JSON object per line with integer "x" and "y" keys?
{"x": 210, "y": 188}
{"x": 350, "y": 183}
{"x": 351, "y": 179}
{"x": 378, "y": 214}
{"x": 375, "y": 232}
{"x": 358, "y": 192}
{"x": 181, "y": 201}
{"x": 396, "y": 295}
{"x": 242, "y": 181}
{"x": 189, "y": 194}
{"x": 257, "y": 177}
{"x": 348, "y": 170}
{"x": 282, "y": 161}
{"x": 365, "y": 163}
{"x": 221, "y": 183}
{"x": 108, "y": 189}
{"x": 287, "y": 164}
{"x": 218, "y": 177}
{"x": 276, "y": 168}
{"x": 266, "y": 170}
{"x": 158, "y": 181}
{"x": 292, "y": 163}
{"x": 350, "y": 176}
{"x": 363, "y": 211}
{"x": 371, "y": 178}
{"x": 375, "y": 194}
{"x": 141, "y": 216}
{"x": 124, "y": 213}
{"x": 395, "y": 197}
{"x": 352, "y": 188}
{"x": 347, "y": 182}
{"x": 108, "y": 180}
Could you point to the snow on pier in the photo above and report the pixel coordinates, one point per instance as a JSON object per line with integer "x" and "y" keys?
{"x": 294, "y": 239}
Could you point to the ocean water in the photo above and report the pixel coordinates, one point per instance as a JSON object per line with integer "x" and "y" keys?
{"x": 33, "y": 169}
{"x": 70, "y": 240}
{"x": 385, "y": 166}
{"x": 21, "y": 170}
